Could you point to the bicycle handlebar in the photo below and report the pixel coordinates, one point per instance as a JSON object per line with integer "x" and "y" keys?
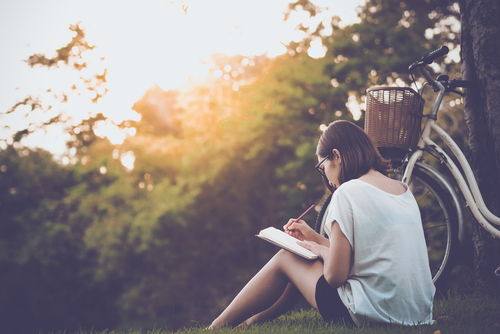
{"x": 428, "y": 58}
{"x": 459, "y": 83}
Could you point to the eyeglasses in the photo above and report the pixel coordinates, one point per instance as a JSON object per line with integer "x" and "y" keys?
{"x": 320, "y": 168}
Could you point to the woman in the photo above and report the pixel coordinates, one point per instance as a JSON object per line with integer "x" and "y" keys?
{"x": 374, "y": 266}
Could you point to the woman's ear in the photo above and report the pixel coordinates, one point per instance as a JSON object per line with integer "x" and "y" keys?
{"x": 336, "y": 155}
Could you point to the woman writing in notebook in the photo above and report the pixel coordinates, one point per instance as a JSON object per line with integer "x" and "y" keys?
{"x": 373, "y": 268}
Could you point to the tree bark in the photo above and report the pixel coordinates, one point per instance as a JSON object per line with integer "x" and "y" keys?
{"x": 480, "y": 48}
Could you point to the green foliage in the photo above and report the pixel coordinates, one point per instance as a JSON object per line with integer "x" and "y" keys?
{"x": 45, "y": 268}
{"x": 29, "y": 200}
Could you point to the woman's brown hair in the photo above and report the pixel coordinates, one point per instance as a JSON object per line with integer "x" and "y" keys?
{"x": 358, "y": 152}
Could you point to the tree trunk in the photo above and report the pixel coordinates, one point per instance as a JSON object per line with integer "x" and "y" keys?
{"x": 480, "y": 48}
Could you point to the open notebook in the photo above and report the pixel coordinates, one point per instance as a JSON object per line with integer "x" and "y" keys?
{"x": 285, "y": 241}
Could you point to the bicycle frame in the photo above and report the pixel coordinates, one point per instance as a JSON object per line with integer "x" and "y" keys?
{"x": 467, "y": 185}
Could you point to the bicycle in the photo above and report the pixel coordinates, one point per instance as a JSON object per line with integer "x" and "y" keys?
{"x": 393, "y": 121}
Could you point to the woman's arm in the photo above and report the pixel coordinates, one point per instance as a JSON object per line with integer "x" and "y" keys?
{"x": 336, "y": 257}
{"x": 337, "y": 263}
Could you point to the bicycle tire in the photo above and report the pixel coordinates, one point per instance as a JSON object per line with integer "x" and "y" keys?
{"x": 439, "y": 221}
{"x": 318, "y": 227}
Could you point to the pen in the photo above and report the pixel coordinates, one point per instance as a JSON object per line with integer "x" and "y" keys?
{"x": 305, "y": 212}
{"x": 302, "y": 215}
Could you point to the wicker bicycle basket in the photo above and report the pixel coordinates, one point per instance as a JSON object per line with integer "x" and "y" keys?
{"x": 393, "y": 119}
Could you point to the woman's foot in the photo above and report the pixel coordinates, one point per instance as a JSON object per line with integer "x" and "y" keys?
{"x": 249, "y": 322}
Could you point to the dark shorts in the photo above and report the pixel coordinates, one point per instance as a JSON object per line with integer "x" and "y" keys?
{"x": 331, "y": 308}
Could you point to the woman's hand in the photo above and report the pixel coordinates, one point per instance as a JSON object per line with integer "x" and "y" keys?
{"x": 320, "y": 250}
{"x": 300, "y": 230}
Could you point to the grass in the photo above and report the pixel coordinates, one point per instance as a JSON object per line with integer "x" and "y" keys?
{"x": 454, "y": 314}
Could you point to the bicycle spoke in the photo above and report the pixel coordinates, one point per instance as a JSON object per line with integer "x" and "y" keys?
{"x": 432, "y": 239}
{"x": 422, "y": 196}
{"x": 427, "y": 218}
{"x": 434, "y": 227}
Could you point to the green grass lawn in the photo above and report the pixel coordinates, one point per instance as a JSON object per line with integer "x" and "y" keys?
{"x": 454, "y": 314}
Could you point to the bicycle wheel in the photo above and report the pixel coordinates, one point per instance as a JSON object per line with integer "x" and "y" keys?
{"x": 439, "y": 221}
{"x": 320, "y": 223}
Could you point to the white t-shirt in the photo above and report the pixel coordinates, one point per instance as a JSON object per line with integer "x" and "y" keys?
{"x": 390, "y": 279}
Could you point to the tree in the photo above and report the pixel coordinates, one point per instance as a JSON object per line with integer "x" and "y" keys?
{"x": 45, "y": 110}
{"x": 45, "y": 267}
{"x": 480, "y": 48}
{"x": 389, "y": 36}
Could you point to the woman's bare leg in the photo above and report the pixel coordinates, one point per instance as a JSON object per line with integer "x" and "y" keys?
{"x": 290, "y": 297}
{"x": 269, "y": 284}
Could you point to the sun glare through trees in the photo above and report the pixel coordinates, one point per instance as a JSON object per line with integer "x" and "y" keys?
{"x": 127, "y": 49}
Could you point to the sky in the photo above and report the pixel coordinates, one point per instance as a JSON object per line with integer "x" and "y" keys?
{"x": 143, "y": 42}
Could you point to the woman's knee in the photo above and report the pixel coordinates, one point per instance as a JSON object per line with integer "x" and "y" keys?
{"x": 284, "y": 259}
